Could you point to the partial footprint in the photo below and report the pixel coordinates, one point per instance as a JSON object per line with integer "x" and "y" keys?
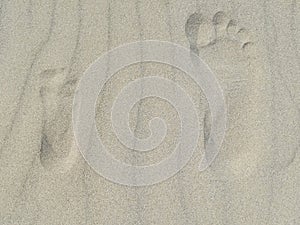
{"x": 233, "y": 57}
{"x": 199, "y": 31}
{"x": 58, "y": 151}
{"x": 192, "y": 28}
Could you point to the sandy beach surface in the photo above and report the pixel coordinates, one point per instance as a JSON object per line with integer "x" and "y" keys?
{"x": 252, "y": 48}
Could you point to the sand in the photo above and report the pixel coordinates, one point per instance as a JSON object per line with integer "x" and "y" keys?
{"x": 252, "y": 47}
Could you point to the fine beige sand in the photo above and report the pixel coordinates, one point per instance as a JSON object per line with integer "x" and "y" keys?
{"x": 251, "y": 46}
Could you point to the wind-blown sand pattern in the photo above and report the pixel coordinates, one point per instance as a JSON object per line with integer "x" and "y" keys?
{"x": 251, "y": 46}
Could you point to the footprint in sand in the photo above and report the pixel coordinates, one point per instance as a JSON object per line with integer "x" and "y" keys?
{"x": 57, "y": 151}
{"x": 233, "y": 56}
{"x": 230, "y": 51}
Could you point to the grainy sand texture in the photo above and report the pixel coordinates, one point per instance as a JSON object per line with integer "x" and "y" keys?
{"x": 252, "y": 47}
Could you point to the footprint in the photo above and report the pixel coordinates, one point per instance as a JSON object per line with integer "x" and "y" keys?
{"x": 234, "y": 58}
{"x": 57, "y": 151}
